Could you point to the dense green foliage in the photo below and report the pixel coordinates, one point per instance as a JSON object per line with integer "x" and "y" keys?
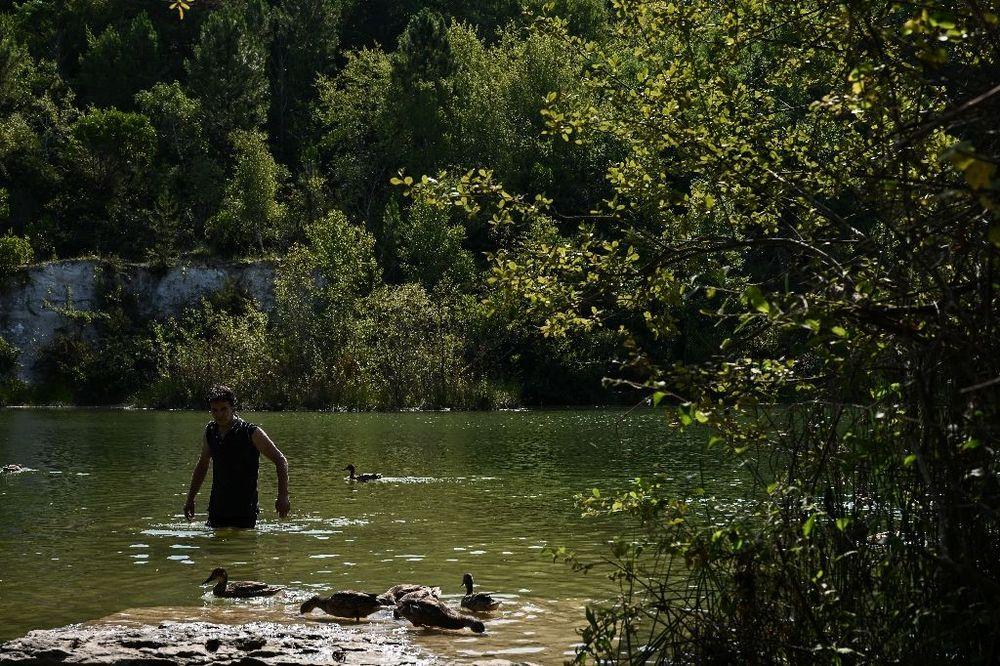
{"x": 259, "y": 129}
{"x": 817, "y": 182}
{"x": 14, "y": 252}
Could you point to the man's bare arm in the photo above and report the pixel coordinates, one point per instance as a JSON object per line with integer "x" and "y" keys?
{"x": 264, "y": 444}
{"x": 197, "y": 478}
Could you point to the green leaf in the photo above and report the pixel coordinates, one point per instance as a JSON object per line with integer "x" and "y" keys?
{"x": 971, "y": 443}
{"x": 839, "y": 331}
{"x": 684, "y": 417}
{"x": 807, "y": 527}
{"x": 842, "y": 523}
{"x": 909, "y": 460}
{"x": 754, "y": 297}
{"x": 943, "y": 21}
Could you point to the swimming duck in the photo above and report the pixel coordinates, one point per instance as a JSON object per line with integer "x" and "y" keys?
{"x": 12, "y": 468}
{"x": 427, "y": 611}
{"x": 392, "y": 596}
{"x": 480, "y": 602}
{"x": 361, "y": 477}
{"x": 346, "y": 603}
{"x": 239, "y": 588}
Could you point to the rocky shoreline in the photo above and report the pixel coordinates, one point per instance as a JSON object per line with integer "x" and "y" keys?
{"x": 195, "y": 643}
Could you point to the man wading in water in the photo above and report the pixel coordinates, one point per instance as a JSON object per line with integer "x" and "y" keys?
{"x": 234, "y": 447}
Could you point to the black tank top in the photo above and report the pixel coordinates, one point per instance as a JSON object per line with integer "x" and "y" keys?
{"x": 235, "y": 461}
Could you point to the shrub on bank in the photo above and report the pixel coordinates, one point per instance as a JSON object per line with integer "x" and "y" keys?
{"x": 14, "y": 252}
{"x": 11, "y": 389}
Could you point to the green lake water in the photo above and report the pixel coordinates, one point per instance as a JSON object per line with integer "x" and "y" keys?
{"x": 96, "y": 529}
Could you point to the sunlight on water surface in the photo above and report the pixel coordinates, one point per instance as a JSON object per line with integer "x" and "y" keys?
{"x": 95, "y": 528}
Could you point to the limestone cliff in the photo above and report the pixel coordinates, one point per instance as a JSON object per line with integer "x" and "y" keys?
{"x": 30, "y": 299}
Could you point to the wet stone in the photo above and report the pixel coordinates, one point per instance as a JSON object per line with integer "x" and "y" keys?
{"x": 195, "y": 643}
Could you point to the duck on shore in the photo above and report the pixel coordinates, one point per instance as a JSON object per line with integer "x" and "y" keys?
{"x": 346, "y": 603}
{"x": 428, "y": 611}
{"x": 239, "y": 588}
{"x": 479, "y": 602}
{"x": 373, "y": 476}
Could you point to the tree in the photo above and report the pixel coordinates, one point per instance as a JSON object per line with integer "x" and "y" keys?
{"x": 116, "y": 146}
{"x": 424, "y": 51}
{"x": 819, "y": 182}
{"x": 430, "y": 247}
{"x": 585, "y": 18}
{"x": 14, "y": 252}
{"x": 57, "y": 31}
{"x": 353, "y": 113}
{"x": 421, "y": 69}
{"x": 227, "y": 71}
{"x": 304, "y": 47}
{"x": 109, "y": 159}
{"x": 133, "y": 54}
{"x": 318, "y": 292}
{"x": 250, "y": 216}
{"x": 190, "y": 175}
{"x": 185, "y": 361}
{"x": 344, "y": 255}
{"x": 397, "y": 335}
{"x": 35, "y": 112}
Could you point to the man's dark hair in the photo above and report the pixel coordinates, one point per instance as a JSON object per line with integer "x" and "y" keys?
{"x": 220, "y": 392}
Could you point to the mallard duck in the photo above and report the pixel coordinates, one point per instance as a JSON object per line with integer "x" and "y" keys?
{"x": 361, "y": 477}
{"x": 239, "y": 588}
{"x": 346, "y": 603}
{"x": 427, "y": 611}
{"x": 392, "y": 596}
{"x": 479, "y": 603}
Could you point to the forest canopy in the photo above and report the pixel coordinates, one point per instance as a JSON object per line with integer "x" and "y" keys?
{"x": 240, "y": 133}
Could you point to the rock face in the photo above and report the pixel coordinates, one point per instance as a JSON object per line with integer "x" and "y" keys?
{"x": 191, "y": 643}
{"x": 30, "y": 300}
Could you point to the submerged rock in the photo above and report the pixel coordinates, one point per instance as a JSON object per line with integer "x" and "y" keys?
{"x": 190, "y": 643}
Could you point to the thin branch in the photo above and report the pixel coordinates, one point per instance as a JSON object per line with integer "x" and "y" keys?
{"x": 947, "y": 116}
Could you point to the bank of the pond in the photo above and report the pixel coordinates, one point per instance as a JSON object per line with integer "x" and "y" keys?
{"x": 93, "y": 331}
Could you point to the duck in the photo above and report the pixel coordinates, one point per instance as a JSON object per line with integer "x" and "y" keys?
{"x": 392, "y": 596}
{"x": 239, "y": 588}
{"x": 361, "y": 477}
{"x": 12, "y": 468}
{"x": 428, "y": 611}
{"x": 480, "y": 602}
{"x": 346, "y": 603}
